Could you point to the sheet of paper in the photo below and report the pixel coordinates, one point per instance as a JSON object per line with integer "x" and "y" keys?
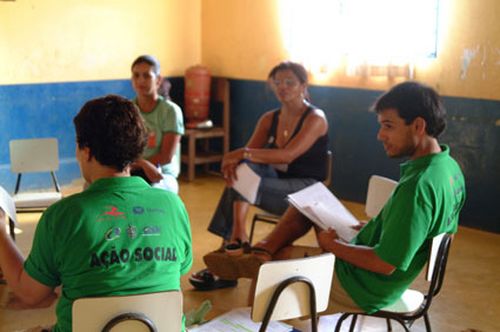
{"x": 248, "y": 182}
{"x": 238, "y": 320}
{"x": 319, "y": 204}
{"x": 7, "y": 205}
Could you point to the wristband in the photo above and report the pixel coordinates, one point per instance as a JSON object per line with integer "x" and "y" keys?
{"x": 246, "y": 154}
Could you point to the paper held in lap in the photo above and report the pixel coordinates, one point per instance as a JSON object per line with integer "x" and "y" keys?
{"x": 318, "y": 204}
{"x": 248, "y": 182}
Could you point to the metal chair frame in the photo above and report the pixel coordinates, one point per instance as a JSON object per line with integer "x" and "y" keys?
{"x": 406, "y": 319}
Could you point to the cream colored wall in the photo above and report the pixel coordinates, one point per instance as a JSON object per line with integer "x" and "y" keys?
{"x": 242, "y": 39}
{"x": 75, "y": 40}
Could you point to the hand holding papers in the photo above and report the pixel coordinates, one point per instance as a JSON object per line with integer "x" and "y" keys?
{"x": 324, "y": 209}
{"x": 248, "y": 182}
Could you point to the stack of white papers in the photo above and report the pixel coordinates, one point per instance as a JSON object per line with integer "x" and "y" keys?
{"x": 318, "y": 204}
{"x": 238, "y": 320}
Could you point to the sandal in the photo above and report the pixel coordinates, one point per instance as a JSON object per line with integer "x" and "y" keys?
{"x": 233, "y": 267}
{"x": 204, "y": 280}
{"x": 237, "y": 248}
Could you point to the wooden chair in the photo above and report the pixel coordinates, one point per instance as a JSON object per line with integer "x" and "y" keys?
{"x": 203, "y": 155}
{"x": 160, "y": 311}
{"x": 293, "y": 288}
{"x": 31, "y": 156}
{"x": 414, "y": 304}
{"x": 269, "y": 218}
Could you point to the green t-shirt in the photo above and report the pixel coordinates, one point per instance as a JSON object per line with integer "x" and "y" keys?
{"x": 166, "y": 117}
{"x": 426, "y": 202}
{"x": 118, "y": 237}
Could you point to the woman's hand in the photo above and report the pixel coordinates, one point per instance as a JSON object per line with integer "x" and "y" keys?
{"x": 230, "y": 161}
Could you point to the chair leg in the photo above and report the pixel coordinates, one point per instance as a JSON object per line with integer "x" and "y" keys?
{"x": 191, "y": 157}
{"x": 427, "y": 323}
{"x": 341, "y": 320}
{"x": 250, "y": 238}
{"x": 353, "y": 322}
{"x": 389, "y": 325}
{"x": 12, "y": 228}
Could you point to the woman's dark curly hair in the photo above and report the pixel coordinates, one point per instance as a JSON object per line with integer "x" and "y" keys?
{"x": 112, "y": 128}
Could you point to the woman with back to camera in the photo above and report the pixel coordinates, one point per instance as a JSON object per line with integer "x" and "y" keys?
{"x": 288, "y": 149}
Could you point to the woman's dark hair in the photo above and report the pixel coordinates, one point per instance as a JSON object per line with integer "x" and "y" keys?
{"x": 150, "y": 60}
{"x": 413, "y": 100}
{"x": 112, "y": 128}
{"x": 298, "y": 70}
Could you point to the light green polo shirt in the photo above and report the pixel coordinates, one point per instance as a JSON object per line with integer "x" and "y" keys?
{"x": 165, "y": 118}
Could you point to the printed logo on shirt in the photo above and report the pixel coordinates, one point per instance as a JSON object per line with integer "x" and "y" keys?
{"x": 151, "y": 139}
{"x": 112, "y": 214}
{"x": 138, "y": 210}
{"x": 141, "y": 210}
{"x": 112, "y": 233}
{"x": 107, "y": 258}
{"x": 151, "y": 231}
{"x": 132, "y": 231}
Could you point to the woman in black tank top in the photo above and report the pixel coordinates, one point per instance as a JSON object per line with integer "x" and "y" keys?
{"x": 288, "y": 149}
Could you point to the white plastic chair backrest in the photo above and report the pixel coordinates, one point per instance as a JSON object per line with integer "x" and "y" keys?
{"x": 436, "y": 242}
{"x": 294, "y": 300}
{"x": 34, "y": 155}
{"x": 163, "y": 308}
{"x": 379, "y": 190}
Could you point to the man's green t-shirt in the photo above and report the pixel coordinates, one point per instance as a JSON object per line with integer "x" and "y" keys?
{"x": 165, "y": 118}
{"x": 118, "y": 237}
{"x": 426, "y": 203}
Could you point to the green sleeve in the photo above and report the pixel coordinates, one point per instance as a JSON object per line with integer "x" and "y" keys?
{"x": 41, "y": 264}
{"x": 172, "y": 121}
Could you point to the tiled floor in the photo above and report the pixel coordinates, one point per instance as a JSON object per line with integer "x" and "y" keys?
{"x": 469, "y": 301}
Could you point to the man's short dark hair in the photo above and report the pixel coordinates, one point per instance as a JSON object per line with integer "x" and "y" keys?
{"x": 412, "y": 100}
{"x": 112, "y": 128}
{"x": 150, "y": 60}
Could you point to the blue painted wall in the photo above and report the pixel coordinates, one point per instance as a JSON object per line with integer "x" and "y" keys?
{"x": 472, "y": 134}
{"x": 47, "y": 110}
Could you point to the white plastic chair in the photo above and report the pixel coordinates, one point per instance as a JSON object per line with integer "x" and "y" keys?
{"x": 379, "y": 190}
{"x": 293, "y": 288}
{"x": 34, "y": 155}
{"x": 414, "y": 304}
{"x": 160, "y": 311}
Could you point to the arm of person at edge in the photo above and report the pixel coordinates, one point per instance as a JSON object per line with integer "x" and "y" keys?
{"x": 314, "y": 126}
{"x": 164, "y": 156}
{"x": 361, "y": 256}
{"x": 27, "y": 289}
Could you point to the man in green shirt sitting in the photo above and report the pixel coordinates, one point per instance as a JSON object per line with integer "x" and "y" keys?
{"x": 118, "y": 237}
{"x": 389, "y": 251}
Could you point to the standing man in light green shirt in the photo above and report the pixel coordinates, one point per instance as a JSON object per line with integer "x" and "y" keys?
{"x": 160, "y": 163}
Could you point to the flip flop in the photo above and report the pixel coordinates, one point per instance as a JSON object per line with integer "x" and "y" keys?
{"x": 237, "y": 248}
{"x": 205, "y": 280}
